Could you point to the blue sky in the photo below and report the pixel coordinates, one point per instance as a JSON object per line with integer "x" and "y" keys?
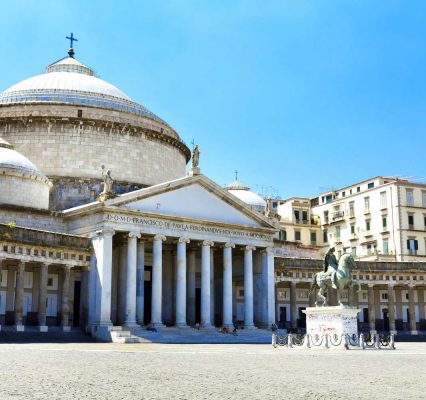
{"x": 300, "y": 96}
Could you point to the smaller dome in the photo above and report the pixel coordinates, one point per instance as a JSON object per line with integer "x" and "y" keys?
{"x": 238, "y": 189}
{"x": 22, "y": 184}
{"x": 11, "y": 159}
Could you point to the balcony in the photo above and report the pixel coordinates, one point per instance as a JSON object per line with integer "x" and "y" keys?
{"x": 338, "y": 216}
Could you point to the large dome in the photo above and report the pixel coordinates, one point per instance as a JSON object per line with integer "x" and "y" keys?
{"x": 70, "y": 82}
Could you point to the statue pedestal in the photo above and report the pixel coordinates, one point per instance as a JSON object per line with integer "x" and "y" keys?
{"x": 339, "y": 320}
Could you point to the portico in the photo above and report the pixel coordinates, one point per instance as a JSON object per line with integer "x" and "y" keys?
{"x": 173, "y": 255}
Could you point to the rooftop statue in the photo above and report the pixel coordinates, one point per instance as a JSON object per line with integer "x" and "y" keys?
{"x": 336, "y": 275}
{"x": 107, "y": 192}
{"x": 195, "y": 156}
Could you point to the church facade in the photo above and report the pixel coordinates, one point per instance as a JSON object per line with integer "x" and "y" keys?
{"x": 103, "y": 228}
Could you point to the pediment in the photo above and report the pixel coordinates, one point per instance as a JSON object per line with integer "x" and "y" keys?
{"x": 194, "y": 198}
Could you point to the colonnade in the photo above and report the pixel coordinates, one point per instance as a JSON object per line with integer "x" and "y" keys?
{"x": 185, "y": 281}
{"x": 65, "y": 311}
{"x": 394, "y": 306}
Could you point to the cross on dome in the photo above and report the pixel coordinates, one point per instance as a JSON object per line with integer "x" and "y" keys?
{"x": 72, "y": 39}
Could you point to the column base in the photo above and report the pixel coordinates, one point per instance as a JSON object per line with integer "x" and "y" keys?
{"x": 131, "y": 324}
{"x": 158, "y": 325}
{"x": 414, "y": 332}
{"x": 182, "y": 326}
{"x": 250, "y": 327}
{"x": 43, "y": 328}
{"x": 66, "y": 329}
{"x": 229, "y": 326}
{"x": 394, "y": 332}
{"x": 19, "y": 328}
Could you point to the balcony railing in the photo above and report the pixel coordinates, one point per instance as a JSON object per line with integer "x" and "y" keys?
{"x": 338, "y": 215}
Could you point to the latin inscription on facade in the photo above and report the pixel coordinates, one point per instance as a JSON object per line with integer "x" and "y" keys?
{"x": 186, "y": 227}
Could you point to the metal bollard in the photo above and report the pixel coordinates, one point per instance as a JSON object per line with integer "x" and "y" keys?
{"x": 377, "y": 341}
{"x": 392, "y": 342}
{"x": 361, "y": 341}
{"x": 274, "y": 340}
{"x": 290, "y": 341}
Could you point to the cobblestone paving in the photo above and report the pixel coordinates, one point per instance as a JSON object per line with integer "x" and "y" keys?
{"x": 157, "y": 371}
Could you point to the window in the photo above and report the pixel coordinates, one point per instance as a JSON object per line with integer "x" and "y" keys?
{"x": 343, "y": 194}
{"x": 410, "y": 198}
{"x": 352, "y": 209}
{"x": 366, "y": 204}
{"x": 358, "y": 189}
{"x": 385, "y": 222}
{"x": 424, "y": 221}
{"x": 305, "y": 217}
{"x": 297, "y": 216}
{"x": 384, "y": 296}
{"x": 410, "y": 221}
{"x": 329, "y": 198}
{"x": 337, "y": 233}
{"x": 412, "y": 246}
{"x": 353, "y": 251}
{"x": 325, "y": 217}
{"x": 385, "y": 246}
{"x": 383, "y": 200}
{"x": 370, "y": 185}
{"x": 367, "y": 225}
{"x": 325, "y": 236}
{"x": 352, "y": 229}
{"x": 424, "y": 199}
{"x": 371, "y": 249}
{"x": 283, "y": 235}
{"x": 297, "y": 235}
{"x": 79, "y": 113}
{"x": 350, "y": 191}
{"x": 313, "y": 238}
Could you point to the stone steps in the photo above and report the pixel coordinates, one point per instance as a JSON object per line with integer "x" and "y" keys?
{"x": 121, "y": 334}
{"x": 209, "y": 336}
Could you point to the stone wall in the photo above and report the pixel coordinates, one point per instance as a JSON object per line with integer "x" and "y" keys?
{"x": 136, "y": 149}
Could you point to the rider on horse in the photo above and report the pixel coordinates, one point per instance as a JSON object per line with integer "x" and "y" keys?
{"x": 330, "y": 266}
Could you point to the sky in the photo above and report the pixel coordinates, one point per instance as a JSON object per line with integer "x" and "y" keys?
{"x": 298, "y": 96}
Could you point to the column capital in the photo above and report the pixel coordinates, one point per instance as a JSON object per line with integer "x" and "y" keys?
{"x": 135, "y": 234}
{"x": 159, "y": 237}
{"x": 269, "y": 251}
{"x": 183, "y": 240}
{"x": 249, "y": 248}
{"x": 107, "y": 231}
{"x": 207, "y": 243}
{"x": 370, "y": 285}
{"x": 229, "y": 245}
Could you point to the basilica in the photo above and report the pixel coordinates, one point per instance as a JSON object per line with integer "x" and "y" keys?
{"x": 108, "y": 224}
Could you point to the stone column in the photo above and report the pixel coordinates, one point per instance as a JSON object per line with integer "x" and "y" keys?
{"x": 293, "y": 304}
{"x": 140, "y": 283}
{"x": 371, "y": 309}
{"x": 391, "y": 309}
{"x": 157, "y": 280}
{"x": 103, "y": 251}
{"x": 212, "y": 288}
{"x": 190, "y": 288}
{"x": 132, "y": 260}
{"x": 181, "y": 283}
{"x": 19, "y": 296}
{"x": 66, "y": 298}
{"x": 84, "y": 304}
{"x": 42, "y": 297}
{"x": 411, "y": 310}
{"x": 227, "y": 285}
{"x": 248, "y": 287}
{"x": 122, "y": 280}
{"x": 268, "y": 279}
{"x": 205, "y": 283}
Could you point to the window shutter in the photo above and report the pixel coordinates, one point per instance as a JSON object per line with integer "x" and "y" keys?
{"x": 408, "y": 244}
{"x": 416, "y": 245}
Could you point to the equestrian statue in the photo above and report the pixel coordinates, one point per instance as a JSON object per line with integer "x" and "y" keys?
{"x": 336, "y": 275}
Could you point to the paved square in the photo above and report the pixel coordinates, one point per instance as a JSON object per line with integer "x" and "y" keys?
{"x": 157, "y": 371}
